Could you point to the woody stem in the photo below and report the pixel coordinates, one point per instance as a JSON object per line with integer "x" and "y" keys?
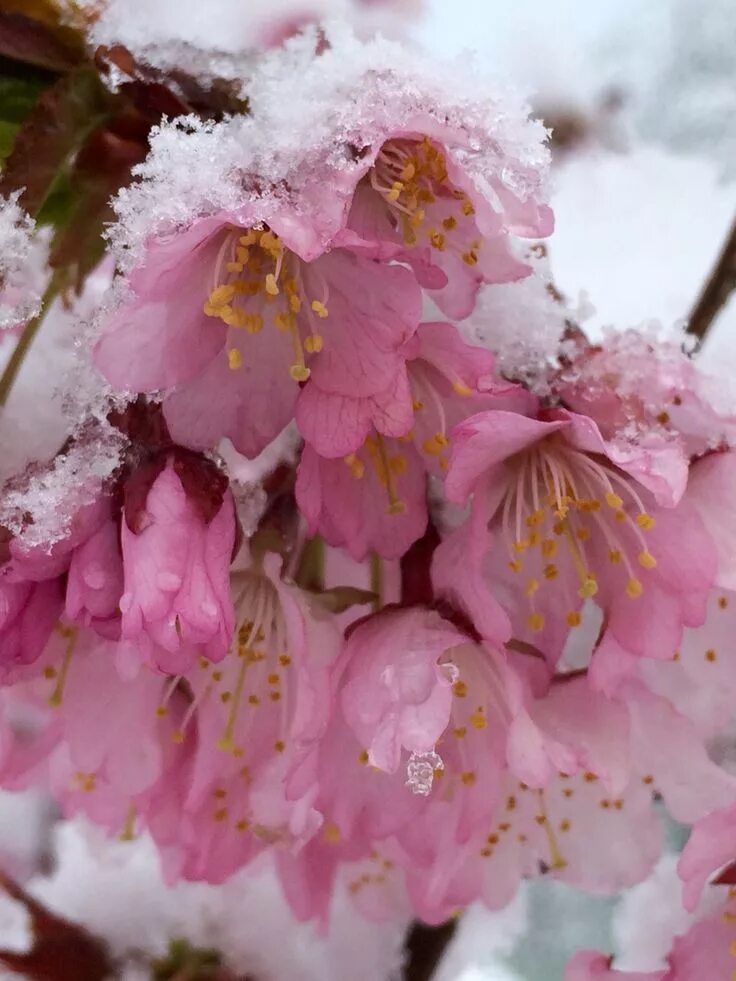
{"x": 715, "y": 293}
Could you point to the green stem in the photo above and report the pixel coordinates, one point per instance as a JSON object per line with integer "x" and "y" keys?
{"x": 24, "y": 344}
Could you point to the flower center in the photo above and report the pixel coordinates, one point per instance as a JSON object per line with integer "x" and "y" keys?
{"x": 564, "y": 507}
{"x": 258, "y": 282}
{"x": 412, "y": 179}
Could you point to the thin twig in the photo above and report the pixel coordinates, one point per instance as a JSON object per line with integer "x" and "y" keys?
{"x": 425, "y": 947}
{"x": 721, "y": 283}
{"x": 24, "y": 344}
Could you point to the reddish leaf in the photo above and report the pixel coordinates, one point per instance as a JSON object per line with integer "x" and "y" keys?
{"x": 64, "y": 115}
{"x": 102, "y": 167}
{"x": 27, "y": 40}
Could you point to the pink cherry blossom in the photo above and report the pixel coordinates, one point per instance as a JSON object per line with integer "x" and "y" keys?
{"x": 635, "y": 379}
{"x": 373, "y": 500}
{"x": 176, "y": 563}
{"x": 418, "y": 203}
{"x": 244, "y": 314}
{"x": 573, "y": 518}
{"x": 257, "y": 715}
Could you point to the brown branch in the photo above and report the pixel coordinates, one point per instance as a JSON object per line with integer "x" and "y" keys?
{"x": 721, "y": 283}
{"x": 425, "y": 947}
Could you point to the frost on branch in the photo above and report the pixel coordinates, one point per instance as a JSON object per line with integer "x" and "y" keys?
{"x": 21, "y": 259}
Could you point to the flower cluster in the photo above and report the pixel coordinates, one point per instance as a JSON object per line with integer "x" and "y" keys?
{"x": 480, "y": 626}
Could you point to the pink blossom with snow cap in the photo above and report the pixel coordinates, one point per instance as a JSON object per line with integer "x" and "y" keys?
{"x": 574, "y": 517}
{"x": 177, "y": 536}
{"x": 419, "y": 201}
{"x": 230, "y": 316}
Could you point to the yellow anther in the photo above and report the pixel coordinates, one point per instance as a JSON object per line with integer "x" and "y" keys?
{"x": 449, "y": 223}
{"x": 521, "y": 545}
{"x": 550, "y": 571}
{"x": 272, "y": 287}
{"x": 363, "y": 757}
{"x": 398, "y": 464}
{"x": 396, "y": 508}
{"x": 460, "y": 732}
{"x": 234, "y": 359}
{"x": 613, "y": 500}
{"x": 647, "y": 560}
{"x": 634, "y": 588}
{"x": 478, "y": 719}
{"x": 221, "y": 814}
{"x": 467, "y": 208}
{"x": 299, "y": 372}
{"x": 645, "y": 521}
{"x": 435, "y": 444}
{"x": 331, "y": 834}
{"x": 535, "y": 622}
{"x": 395, "y": 193}
{"x": 470, "y": 258}
{"x": 535, "y": 518}
{"x": 279, "y": 745}
{"x": 437, "y": 240}
{"x": 549, "y": 548}
{"x": 319, "y": 308}
{"x": 295, "y": 303}
{"x": 573, "y": 619}
{"x": 589, "y": 587}
{"x": 356, "y": 465}
{"x": 614, "y": 556}
{"x": 583, "y": 534}
{"x": 516, "y": 565}
{"x": 460, "y": 689}
{"x": 532, "y": 586}
{"x": 710, "y": 655}
{"x": 234, "y": 267}
{"x": 460, "y": 388}
{"x": 249, "y": 238}
{"x": 221, "y": 295}
{"x": 468, "y": 778}
{"x": 313, "y": 344}
{"x": 162, "y": 711}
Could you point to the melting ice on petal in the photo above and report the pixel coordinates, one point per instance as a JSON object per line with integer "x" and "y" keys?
{"x": 420, "y": 770}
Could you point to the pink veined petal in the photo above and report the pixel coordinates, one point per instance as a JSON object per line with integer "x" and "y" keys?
{"x": 485, "y": 440}
{"x": 711, "y": 490}
{"x": 162, "y": 336}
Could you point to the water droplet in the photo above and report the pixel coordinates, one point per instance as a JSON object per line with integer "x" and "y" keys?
{"x": 420, "y": 770}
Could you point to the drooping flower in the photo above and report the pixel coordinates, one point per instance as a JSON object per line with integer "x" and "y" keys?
{"x": 231, "y": 316}
{"x": 257, "y": 715}
{"x": 177, "y": 546}
{"x": 361, "y": 480}
{"x": 576, "y": 518}
{"x": 418, "y": 200}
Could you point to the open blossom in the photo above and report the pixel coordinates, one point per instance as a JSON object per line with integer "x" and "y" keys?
{"x": 418, "y": 200}
{"x": 361, "y": 479}
{"x": 177, "y": 552}
{"x": 573, "y": 518}
{"x": 257, "y": 715}
{"x": 230, "y": 317}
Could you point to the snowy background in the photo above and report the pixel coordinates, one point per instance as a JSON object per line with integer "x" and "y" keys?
{"x": 643, "y": 201}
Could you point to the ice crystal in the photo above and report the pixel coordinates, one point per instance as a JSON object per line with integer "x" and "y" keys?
{"x": 420, "y": 771}
{"x": 21, "y": 261}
